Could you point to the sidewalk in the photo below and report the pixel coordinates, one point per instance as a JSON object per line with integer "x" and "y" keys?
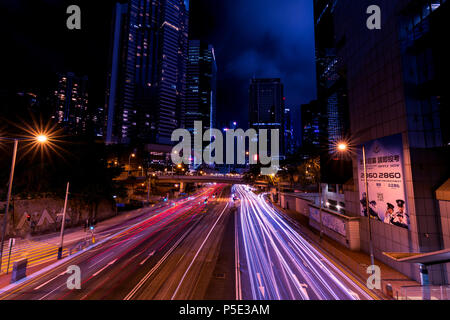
{"x": 355, "y": 261}
{"x": 42, "y": 250}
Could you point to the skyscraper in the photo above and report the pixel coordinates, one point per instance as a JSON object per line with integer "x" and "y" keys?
{"x": 201, "y": 86}
{"x": 266, "y": 106}
{"x": 146, "y": 93}
{"x": 332, "y": 95}
{"x": 331, "y": 79}
{"x": 398, "y": 106}
{"x": 289, "y": 137}
{"x": 71, "y": 103}
{"x": 310, "y": 120}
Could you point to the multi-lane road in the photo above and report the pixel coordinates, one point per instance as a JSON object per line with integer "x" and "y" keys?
{"x": 177, "y": 252}
{"x": 165, "y": 256}
{"x": 277, "y": 263}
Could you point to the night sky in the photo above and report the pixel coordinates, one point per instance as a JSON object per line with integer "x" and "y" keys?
{"x": 261, "y": 38}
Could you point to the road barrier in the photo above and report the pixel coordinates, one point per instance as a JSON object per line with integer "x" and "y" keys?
{"x": 19, "y": 270}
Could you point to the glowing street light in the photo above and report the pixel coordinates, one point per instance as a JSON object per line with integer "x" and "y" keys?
{"x": 343, "y": 147}
{"x": 133, "y": 155}
{"x": 42, "y": 138}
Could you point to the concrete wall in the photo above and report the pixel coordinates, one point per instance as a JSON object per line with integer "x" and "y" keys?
{"x": 46, "y": 215}
{"x": 295, "y": 203}
{"x": 343, "y": 229}
{"x": 350, "y": 232}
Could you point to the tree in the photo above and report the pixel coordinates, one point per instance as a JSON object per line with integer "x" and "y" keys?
{"x": 309, "y": 172}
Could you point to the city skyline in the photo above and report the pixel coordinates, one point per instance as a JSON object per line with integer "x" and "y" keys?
{"x": 225, "y": 154}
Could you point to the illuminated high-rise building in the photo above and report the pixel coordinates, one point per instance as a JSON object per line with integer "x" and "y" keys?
{"x": 71, "y": 103}
{"x": 266, "y": 106}
{"x": 201, "y": 86}
{"x": 146, "y": 93}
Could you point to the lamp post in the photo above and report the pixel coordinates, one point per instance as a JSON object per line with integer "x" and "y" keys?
{"x": 40, "y": 139}
{"x": 372, "y": 262}
{"x": 129, "y": 162}
{"x": 342, "y": 147}
{"x": 320, "y": 208}
{"x": 62, "y": 224}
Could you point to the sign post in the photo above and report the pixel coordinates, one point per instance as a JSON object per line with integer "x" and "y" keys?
{"x": 12, "y": 241}
{"x": 60, "y": 249}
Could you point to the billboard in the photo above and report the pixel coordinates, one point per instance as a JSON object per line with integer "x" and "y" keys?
{"x": 386, "y": 182}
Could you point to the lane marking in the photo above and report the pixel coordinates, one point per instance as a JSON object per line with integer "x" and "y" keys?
{"x": 99, "y": 271}
{"x": 57, "y": 288}
{"x": 236, "y": 259}
{"x": 38, "y": 275}
{"x": 149, "y": 274}
{"x": 149, "y": 256}
{"x": 45, "y": 283}
{"x": 261, "y": 287}
{"x": 198, "y": 251}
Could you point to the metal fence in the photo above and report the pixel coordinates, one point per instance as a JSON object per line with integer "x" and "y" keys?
{"x": 425, "y": 293}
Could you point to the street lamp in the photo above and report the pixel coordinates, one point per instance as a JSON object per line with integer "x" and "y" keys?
{"x": 129, "y": 162}
{"x": 343, "y": 147}
{"x": 41, "y": 138}
{"x": 320, "y": 205}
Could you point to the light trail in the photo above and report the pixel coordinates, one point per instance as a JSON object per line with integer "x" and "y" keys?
{"x": 282, "y": 265}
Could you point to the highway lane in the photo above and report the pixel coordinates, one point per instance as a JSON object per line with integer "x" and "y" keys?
{"x": 113, "y": 268}
{"x": 43, "y": 249}
{"x": 277, "y": 263}
{"x": 186, "y": 273}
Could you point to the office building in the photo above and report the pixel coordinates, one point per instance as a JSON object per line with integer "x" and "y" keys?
{"x": 398, "y": 109}
{"x": 311, "y": 129}
{"x": 266, "y": 107}
{"x": 71, "y": 103}
{"x": 146, "y": 92}
{"x": 201, "y": 86}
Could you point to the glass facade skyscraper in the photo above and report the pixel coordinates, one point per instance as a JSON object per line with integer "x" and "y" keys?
{"x": 146, "y": 94}
{"x": 266, "y": 106}
{"x": 201, "y": 86}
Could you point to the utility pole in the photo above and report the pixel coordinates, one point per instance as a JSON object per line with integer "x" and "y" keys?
{"x": 372, "y": 261}
{"x": 320, "y": 210}
{"x": 8, "y": 199}
{"x": 62, "y": 224}
{"x": 149, "y": 182}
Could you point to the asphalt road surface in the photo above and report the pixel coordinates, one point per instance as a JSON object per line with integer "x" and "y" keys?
{"x": 168, "y": 255}
{"x": 194, "y": 250}
{"x": 277, "y": 263}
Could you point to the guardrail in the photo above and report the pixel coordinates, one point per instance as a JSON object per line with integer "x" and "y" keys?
{"x": 419, "y": 292}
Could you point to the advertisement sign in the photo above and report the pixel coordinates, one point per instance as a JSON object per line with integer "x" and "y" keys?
{"x": 386, "y": 182}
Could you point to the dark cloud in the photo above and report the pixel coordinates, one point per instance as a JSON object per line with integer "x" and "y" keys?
{"x": 260, "y": 38}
